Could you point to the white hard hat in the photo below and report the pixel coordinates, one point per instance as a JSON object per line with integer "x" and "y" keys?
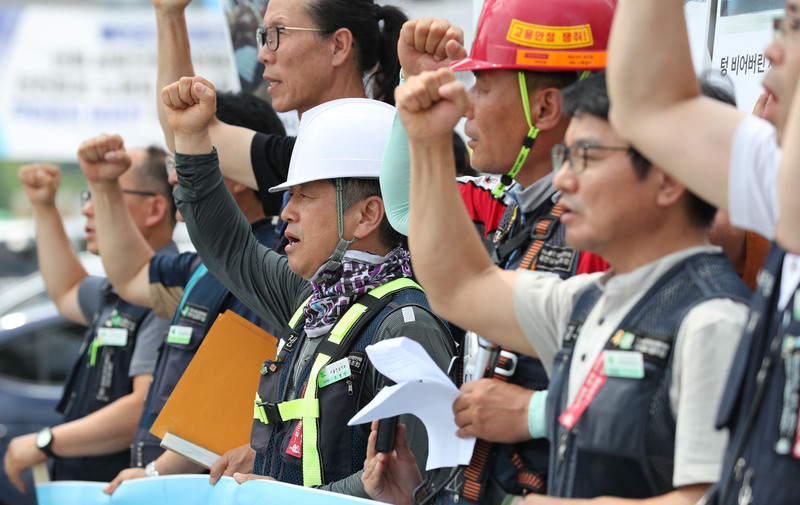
{"x": 340, "y": 139}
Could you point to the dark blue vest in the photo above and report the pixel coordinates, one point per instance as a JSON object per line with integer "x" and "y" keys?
{"x": 623, "y": 444}
{"x": 760, "y": 405}
{"x": 204, "y": 299}
{"x": 342, "y": 448}
{"x": 99, "y": 377}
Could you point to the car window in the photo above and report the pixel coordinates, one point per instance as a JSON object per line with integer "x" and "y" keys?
{"x": 44, "y": 355}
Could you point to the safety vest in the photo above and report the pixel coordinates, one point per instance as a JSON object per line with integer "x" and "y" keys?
{"x": 760, "y": 404}
{"x": 623, "y": 444}
{"x": 306, "y": 440}
{"x": 99, "y": 377}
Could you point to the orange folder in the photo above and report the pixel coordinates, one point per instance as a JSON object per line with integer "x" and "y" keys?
{"x": 212, "y": 404}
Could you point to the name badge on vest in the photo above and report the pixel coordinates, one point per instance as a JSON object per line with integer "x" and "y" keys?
{"x": 180, "y": 335}
{"x": 334, "y": 372}
{"x": 625, "y": 364}
{"x": 116, "y": 337}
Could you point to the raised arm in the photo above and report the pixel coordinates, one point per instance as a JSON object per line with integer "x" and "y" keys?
{"x": 425, "y": 44}
{"x": 255, "y": 274}
{"x": 656, "y": 102}
{"x": 462, "y": 283}
{"x": 124, "y": 251}
{"x": 58, "y": 263}
{"x": 174, "y": 62}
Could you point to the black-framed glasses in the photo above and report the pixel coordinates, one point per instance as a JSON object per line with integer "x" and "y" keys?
{"x": 270, "y": 36}
{"x": 86, "y": 195}
{"x": 782, "y": 26}
{"x": 578, "y": 155}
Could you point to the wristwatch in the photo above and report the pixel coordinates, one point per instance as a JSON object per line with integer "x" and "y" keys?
{"x": 44, "y": 442}
{"x": 150, "y": 469}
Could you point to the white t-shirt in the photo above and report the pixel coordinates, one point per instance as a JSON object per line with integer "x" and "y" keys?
{"x": 753, "y": 190}
{"x": 706, "y": 342}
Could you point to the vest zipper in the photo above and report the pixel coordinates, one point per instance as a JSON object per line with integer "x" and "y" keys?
{"x": 349, "y": 387}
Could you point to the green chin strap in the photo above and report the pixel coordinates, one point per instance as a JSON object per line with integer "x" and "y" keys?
{"x": 335, "y": 261}
{"x": 527, "y": 144}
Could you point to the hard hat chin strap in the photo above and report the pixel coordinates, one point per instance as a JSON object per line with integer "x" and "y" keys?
{"x": 335, "y": 261}
{"x": 527, "y": 144}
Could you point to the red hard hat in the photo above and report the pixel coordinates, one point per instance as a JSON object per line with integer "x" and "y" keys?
{"x": 547, "y": 35}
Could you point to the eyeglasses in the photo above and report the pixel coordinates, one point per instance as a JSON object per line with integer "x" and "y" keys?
{"x": 271, "y": 35}
{"x": 86, "y": 195}
{"x": 578, "y": 155}
{"x": 782, "y": 27}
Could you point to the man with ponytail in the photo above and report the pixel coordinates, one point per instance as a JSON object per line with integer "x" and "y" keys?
{"x": 313, "y": 51}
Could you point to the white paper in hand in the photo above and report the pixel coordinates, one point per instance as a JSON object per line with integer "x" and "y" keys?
{"x": 423, "y": 390}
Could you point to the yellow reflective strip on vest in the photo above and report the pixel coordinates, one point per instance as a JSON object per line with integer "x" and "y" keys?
{"x": 345, "y": 322}
{"x": 298, "y": 314}
{"x": 300, "y": 408}
{"x": 258, "y": 411}
{"x": 312, "y": 467}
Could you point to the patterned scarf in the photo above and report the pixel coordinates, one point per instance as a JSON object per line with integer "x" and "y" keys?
{"x": 359, "y": 273}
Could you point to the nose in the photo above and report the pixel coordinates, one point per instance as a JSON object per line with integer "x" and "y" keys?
{"x": 565, "y": 179}
{"x": 774, "y": 52}
{"x": 470, "y": 113}
{"x": 264, "y": 55}
{"x": 288, "y": 213}
{"x": 88, "y": 209}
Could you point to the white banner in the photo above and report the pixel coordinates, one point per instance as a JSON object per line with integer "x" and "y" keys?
{"x": 743, "y": 31}
{"x": 71, "y": 73}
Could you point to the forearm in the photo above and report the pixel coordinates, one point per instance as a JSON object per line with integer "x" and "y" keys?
{"x": 59, "y": 265}
{"x": 174, "y": 60}
{"x": 172, "y": 463}
{"x": 395, "y": 178}
{"x": 638, "y": 63}
{"x": 223, "y": 238}
{"x": 105, "y": 431}
{"x": 124, "y": 251}
{"x": 447, "y": 255}
{"x": 787, "y": 231}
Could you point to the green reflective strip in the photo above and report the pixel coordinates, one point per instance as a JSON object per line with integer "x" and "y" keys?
{"x": 298, "y": 314}
{"x": 312, "y": 467}
{"x": 258, "y": 411}
{"x": 395, "y": 285}
{"x": 301, "y": 408}
{"x": 93, "y": 347}
{"x": 346, "y": 322}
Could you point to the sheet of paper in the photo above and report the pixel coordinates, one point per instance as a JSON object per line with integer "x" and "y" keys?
{"x": 402, "y": 359}
{"x": 423, "y": 390}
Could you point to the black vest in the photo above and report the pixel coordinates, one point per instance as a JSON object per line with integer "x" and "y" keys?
{"x": 761, "y": 401}
{"x": 98, "y": 378}
{"x": 342, "y": 448}
{"x": 623, "y": 445}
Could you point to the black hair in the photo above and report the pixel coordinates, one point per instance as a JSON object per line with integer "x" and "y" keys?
{"x": 355, "y": 190}
{"x": 249, "y": 111}
{"x": 375, "y": 47}
{"x": 535, "y": 79}
{"x": 590, "y": 96}
{"x": 151, "y": 173}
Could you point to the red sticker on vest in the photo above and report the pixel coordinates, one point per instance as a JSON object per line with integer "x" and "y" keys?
{"x": 586, "y": 394}
{"x": 296, "y": 443}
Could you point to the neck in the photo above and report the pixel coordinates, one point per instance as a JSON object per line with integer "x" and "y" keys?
{"x": 160, "y": 238}
{"x": 650, "y": 246}
{"x": 349, "y": 86}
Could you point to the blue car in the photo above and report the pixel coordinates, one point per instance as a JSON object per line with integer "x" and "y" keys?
{"x": 37, "y": 349}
